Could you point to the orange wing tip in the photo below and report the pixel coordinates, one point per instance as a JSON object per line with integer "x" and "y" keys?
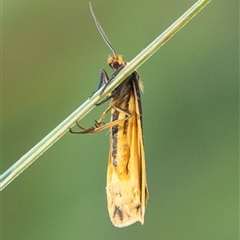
{"x": 126, "y": 224}
{"x": 123, "y": 217}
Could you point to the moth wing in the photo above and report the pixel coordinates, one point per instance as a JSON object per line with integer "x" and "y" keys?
{"x": 127, "y": 192}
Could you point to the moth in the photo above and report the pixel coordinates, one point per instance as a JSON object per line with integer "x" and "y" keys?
{"x": 127, "y": 191}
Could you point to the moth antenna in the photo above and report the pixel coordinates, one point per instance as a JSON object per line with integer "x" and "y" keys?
{"x": 101, "y": 31}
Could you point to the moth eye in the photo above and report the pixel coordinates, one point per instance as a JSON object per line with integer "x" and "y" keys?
{"x": 115, "y": 65}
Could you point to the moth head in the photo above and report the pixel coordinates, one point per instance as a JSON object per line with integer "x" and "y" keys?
{"x": 115, "y": 61}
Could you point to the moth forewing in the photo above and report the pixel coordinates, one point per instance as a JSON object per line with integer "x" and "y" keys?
{"x": 144, "y": 188}
{"x": 126, "y": 177}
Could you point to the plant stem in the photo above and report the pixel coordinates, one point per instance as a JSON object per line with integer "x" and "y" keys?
{"x": 25, "y": 161}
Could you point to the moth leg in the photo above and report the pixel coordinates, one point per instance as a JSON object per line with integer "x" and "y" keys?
{"x": 91, "y": 129}
{"x": 115, "y": 73}
{"x": 111, "y": 124}
{"x": 107, "y": 83}
{"x": 103, "y": 79}
{"x": 85, "y": 130}
{"x": 100, "y": 120}
{"x": 104, "y": 100}
{"x": 98, "y": 127}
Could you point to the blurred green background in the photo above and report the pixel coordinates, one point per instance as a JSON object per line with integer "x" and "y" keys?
{"x": 51, "y": 56}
